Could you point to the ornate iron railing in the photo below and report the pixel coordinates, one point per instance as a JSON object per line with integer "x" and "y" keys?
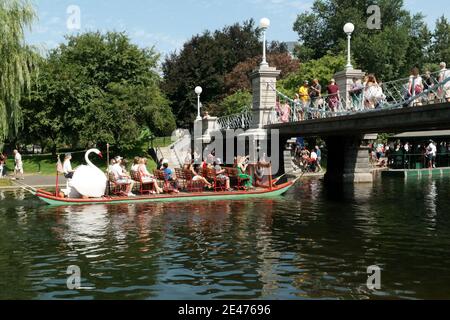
{"x": 384, "y": 96}
{"x": 236, "y": 121}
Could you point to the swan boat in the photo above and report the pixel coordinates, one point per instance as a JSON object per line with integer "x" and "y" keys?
{"x": 275, "y": 191}
{"x": 90, "y": 182}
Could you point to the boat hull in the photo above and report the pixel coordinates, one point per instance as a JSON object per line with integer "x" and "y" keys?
{"x": 275, "y": 192}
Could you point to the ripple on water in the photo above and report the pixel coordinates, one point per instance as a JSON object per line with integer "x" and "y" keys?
{"x": 311, "y": 244}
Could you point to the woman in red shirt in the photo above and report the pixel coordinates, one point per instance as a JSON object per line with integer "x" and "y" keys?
{"x": 333, "y": 96}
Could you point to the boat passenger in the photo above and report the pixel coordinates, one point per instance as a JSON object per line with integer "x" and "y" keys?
{"x": 221, "y": 174}
{"x": 122, "y": 177}
{"x": 147, "y": 177}
{"x": 242, "y": 166}
{"x": 195, "y": 169}
{"x": 136, "y": 163}
{"x": 169, "y": 176}
{"x": 67, "y": 166}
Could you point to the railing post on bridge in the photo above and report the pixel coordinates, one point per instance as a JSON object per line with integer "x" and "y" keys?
{"x": 344, "y": 80}
{"x": 264, "y": 80}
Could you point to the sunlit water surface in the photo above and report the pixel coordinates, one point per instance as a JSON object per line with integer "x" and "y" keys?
{"x": 311, "y": 244}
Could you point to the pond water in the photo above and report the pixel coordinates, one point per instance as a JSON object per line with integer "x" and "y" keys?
{"x": 313, "y": 243}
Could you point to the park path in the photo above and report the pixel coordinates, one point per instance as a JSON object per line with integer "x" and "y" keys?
{"x": 38, "y": 181}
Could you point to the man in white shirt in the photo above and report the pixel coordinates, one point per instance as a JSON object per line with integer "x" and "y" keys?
{"x": 121, "y": 177}
{"x": 67, "y": 167}
{"x": 431, "y": 154}
{"x": 18, "y": 169}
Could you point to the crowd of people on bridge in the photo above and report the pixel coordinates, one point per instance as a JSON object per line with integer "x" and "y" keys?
{"x": 311, "y": 102}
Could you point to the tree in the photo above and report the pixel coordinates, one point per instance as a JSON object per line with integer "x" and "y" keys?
{"x": 204, "y": 61}
{"x": 441, "y": 41}
{"x": 98, "y": 89}
{"x": 236, "y": 103}
{"x": 238, "y": 79}
{"x": 17, "y": 61}
{"x": 391, "y": 52}
{"x": 322, "y": 69}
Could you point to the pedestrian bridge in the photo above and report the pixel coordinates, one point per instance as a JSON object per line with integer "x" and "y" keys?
{"x": 393, "y": 111}
{"x": 348, "y": 124}
{"x": 424, "y": 118}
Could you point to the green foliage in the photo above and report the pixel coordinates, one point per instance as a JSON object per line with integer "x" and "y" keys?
{"x": 97, "y": 89}
{"x": 322, "y": 69}
{"x": 16, "y": 63}
{"x": 440, "y": 47}
{"x": 236, "y": 103}
{"x": 402, "y": 43}
{"x": 204, "y": 61}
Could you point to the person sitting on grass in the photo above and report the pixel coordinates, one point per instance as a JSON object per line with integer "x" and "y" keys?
{"x": 221, "y": 174}
{"x": 147, "y": 177}
{"x": 242, "y": 166}
{"x": 169, "y": 176}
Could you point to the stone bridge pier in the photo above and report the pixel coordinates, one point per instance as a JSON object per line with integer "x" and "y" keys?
{"x": 349, "y": 159}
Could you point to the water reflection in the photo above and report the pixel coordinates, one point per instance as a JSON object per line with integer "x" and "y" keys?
{"x": 312, "y": 243}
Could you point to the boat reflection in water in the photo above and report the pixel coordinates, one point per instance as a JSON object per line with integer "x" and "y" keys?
{"x": 312, "y": 243}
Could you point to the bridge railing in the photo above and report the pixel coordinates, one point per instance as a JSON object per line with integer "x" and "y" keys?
{"x": 236, "y": 121}
{"x": 385, "y": 96}
{"x": 369, "y": 98}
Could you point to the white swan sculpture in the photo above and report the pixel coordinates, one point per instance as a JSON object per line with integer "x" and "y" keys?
{"x": 89, "y": 181}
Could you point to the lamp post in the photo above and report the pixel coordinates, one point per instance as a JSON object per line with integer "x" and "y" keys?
{"x": 198, "y": 91}
{"x": 264, "y": 24}
{"x": 348, "y": 29}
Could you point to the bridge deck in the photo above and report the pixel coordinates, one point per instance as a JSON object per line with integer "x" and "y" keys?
{"x": 424, "y": 118}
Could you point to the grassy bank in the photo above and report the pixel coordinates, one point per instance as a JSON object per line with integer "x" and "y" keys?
{"x": 5, "y": 183}
{"x": 46, "y": 164}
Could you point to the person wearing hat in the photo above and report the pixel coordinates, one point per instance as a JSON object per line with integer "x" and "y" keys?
{"x": 221, "y": 174}
{"x": 67, "y": 166}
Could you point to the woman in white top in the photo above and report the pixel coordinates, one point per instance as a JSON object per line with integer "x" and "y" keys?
{"x": 147, "y": 177}
{"x": 373, "y": 93}
{"x": 135, "y": 166}
{"x": 415, "y": 86}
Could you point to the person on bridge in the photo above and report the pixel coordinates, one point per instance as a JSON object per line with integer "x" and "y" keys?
{"x": 315, "y": 92}
{"x": 373, "y": 93}
{"x": 356, "y": 92}
{"x": 285, "y": 112}
{"x": 415, "y": 86}
{"x": 334, "y": 96}
{"x": 304, "y": 96}
{"x": 444, "y": 74}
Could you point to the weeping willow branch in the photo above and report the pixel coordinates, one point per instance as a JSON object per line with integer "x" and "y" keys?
{"x": 17, "y": 60}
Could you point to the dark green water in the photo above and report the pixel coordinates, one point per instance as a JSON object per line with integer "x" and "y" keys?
{"x": 309, "y": 244}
